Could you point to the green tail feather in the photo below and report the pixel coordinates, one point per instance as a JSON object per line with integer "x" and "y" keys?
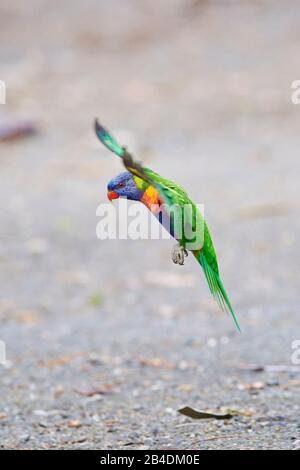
{"x": 216, "y": 287}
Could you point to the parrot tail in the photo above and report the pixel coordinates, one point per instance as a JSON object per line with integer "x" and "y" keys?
{"x": 215, "y": 286}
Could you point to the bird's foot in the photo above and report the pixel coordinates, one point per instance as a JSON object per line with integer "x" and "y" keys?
{"x": 178, "y": 254}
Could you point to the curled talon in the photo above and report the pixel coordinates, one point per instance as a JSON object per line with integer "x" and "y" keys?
{"x": 178, "y": 254}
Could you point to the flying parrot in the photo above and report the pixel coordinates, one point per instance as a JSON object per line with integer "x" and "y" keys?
{"x": 142, "y": 184}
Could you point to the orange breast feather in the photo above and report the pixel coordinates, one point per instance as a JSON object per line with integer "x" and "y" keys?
{"x": 151, "y": 199}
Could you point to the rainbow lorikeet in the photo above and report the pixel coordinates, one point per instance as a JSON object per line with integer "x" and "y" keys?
{"x": 142, "y": 184}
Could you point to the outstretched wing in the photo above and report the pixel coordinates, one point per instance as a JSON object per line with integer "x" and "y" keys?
{"x": 107, "y": 139}
{"x": 166, "y": 189}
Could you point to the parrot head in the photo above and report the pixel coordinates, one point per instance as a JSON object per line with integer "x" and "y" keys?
{"x": 124, "y": 185}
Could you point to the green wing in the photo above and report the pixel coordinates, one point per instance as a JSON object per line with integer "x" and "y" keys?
{"x": 107, "y": 139}
{"x": 167, "y": 190}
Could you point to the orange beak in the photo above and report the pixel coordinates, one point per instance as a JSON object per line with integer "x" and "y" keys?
{"x": 112, "y": 195}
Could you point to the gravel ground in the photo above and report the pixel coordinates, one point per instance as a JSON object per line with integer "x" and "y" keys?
{"x": 106, "y": 340}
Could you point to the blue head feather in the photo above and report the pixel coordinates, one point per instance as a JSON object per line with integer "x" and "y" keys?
{"x": 124, "y": 185}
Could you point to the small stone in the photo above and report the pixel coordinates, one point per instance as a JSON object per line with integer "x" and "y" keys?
{"x": 74, "y": 423}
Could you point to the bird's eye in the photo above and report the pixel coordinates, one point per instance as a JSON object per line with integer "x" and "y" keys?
{"x": 120, "y": 185}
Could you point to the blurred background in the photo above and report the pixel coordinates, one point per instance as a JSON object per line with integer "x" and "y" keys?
{"x": 106, "y": 340}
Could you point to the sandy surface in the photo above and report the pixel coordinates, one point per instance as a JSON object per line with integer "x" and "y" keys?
{"x": 106, "y": 340}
